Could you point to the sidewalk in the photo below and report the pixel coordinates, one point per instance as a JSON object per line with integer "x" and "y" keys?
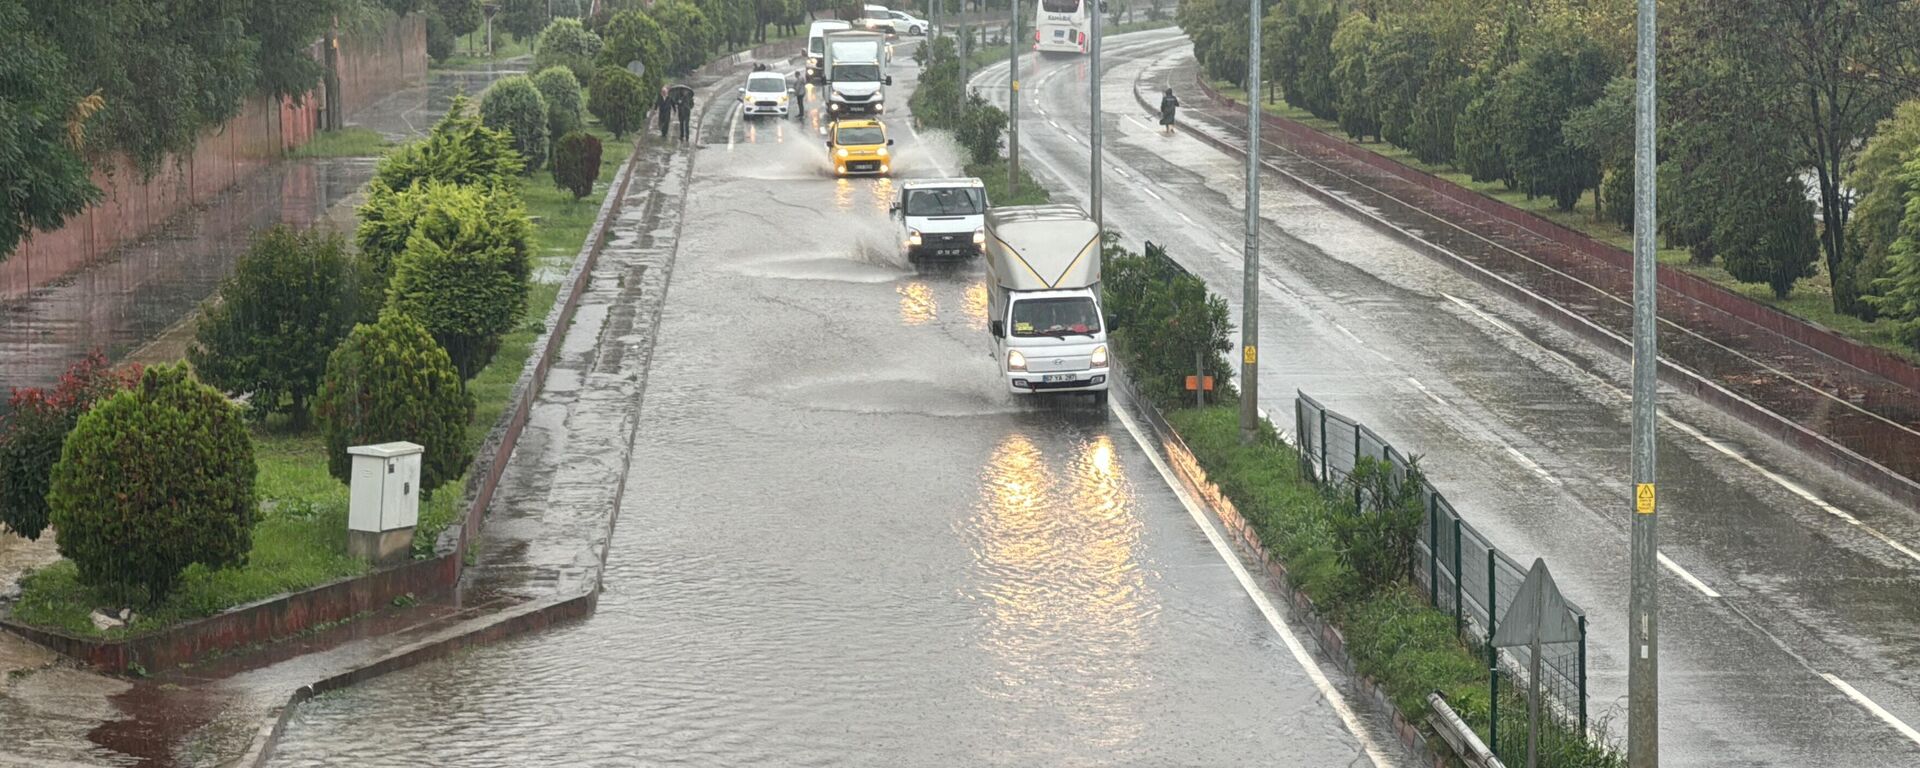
{"x": 1851, "y": 418}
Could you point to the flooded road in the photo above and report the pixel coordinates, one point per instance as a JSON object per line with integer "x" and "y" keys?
{"x": 119, "y": 303}
{"x": 843, "y": 544}
{"x": 1780, "y": 577}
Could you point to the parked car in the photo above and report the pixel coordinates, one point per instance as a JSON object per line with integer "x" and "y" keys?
{"x": 907, "y": 24}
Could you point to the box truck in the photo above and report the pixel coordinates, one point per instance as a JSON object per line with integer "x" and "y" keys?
{"x": 1043, "y": 300}
{"x": 855, "y": 72}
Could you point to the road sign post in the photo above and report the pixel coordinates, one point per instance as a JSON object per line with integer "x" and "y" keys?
{"x": 1539, "y": 615}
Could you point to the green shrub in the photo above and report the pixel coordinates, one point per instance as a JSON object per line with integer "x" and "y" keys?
{"x": 688, "y": 31}
{"x": 153, "y": 480}
{"x": 464, "y": 273}
{"x": 1159, "y": 317}
{"x": 513, "y": 105}
{"x": 979, "y": 129}
{"x": 291, "y": 298}
{"x": 1377, "y": 535}
{"x": 34, "y": 428}
{"x": 566, "y": 43}
{"x": 386, "y": 221}
{"x": 462, "y": 17}
{"x": 632, "y": 35}
{"x": 440, "y": 39}
{"x": 459, "y": 150}
{"x": 562, "y": 91}
{"x": 619, "y": 99}
{"x": 576, "y": 163}
{"x": 389, "y": 381}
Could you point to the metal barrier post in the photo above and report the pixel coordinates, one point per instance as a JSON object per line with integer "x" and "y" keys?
{"x": 1433, "y": 551}
{"x": 1357, "y": 508}
{"x": 1583, "y": 674}
{"x": 1459, "y": 615}
{"x": 1323, "y": 446}
{"x": 1300, "y": 433}
{"x": 1493, "y": 654}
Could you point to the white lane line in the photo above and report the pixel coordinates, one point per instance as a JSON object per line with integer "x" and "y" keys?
{"x": 1494, "y": 321}
{"x": 733, "y": 123}
{"x": 1530, "y": 464}
{"x": 1876, "y": 709}
{"x": 1122, "y": 171}
{"x": 1253, "y": 590}
{"x": 1224, "y": 246}
{"x": 1184, "y": 217}
{"x": 1150, "y": 193}
{"x": 1685, "y": 576}
{"x": 1423, "y": 390}
{"x": 1136, "y": 121}
{"x": 1056, "y": 126}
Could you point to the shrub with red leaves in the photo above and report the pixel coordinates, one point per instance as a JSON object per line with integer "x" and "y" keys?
{"x": 35, "y": 428}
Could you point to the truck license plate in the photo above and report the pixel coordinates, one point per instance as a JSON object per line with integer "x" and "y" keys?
{"x": 1056, "y": 377}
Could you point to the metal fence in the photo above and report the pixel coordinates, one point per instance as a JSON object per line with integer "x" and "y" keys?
{"x": 1463, "y": 574}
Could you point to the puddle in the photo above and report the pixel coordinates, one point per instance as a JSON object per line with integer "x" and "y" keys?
{"x": 963, "y": 394}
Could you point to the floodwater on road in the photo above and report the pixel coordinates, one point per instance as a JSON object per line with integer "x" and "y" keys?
{"x": 121, "y": 302}
{"x": 844, "y": 544}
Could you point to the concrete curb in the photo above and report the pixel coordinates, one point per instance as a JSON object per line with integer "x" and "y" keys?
{"x": 1301, "y": 608}
{"x": 1830, "y": 452}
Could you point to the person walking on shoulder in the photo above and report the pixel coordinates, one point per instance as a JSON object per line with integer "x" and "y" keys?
{"x": 686, "y": 114}
{"x": 664, "y": 106}
{"x": 1168, "y": 102}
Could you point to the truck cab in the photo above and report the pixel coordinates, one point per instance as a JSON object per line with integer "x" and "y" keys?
{"x": 816, "y": 50}
{"x": 859, "y": 147}
{"x": 855, "y": 72}
{"x": 941, "y": 218}
{"x": 1043, "y": 300}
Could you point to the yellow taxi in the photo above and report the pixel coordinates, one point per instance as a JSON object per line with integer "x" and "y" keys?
{"x": 860, "y": 147}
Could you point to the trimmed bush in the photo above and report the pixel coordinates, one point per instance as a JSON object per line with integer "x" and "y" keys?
{"x": 513, "y": 105}
{"x": 386, "y": 221}
{"x": 630, "y": 36}
{"x": 566, "y": 43}
{"x": 979, "y": 129}
{"x": 153, "y": 480}
{"x": 459, "y": 150}
{"x": 564, "y": 104}
{"x": 576, "y": 163}
{"x": 289, "y": 301}
{"x": 618, "y": 99}
{"x": 464, "y": 273}
{"x": 389, "y": 381}
{"x": 688, "y": 31}
{"x": 34, "y": 428}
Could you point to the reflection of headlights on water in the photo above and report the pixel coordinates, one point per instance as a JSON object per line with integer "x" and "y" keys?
{"x": 913, "y": 237}
{"x": 1099, "y": 356}
{"x": 1016, "y": 361}
{"x": 842, "y": 152}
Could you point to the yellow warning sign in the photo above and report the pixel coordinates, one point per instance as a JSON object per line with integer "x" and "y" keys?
{"x": 1016, "y": 85}
{"x": 1251, "y": 355}
{"x": 1643, "y": 498}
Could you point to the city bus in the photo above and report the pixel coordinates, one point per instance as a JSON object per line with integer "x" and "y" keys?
{"x": 1062, "y": 26}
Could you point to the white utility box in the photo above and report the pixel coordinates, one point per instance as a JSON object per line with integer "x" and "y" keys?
{"x": 385, "y": 501}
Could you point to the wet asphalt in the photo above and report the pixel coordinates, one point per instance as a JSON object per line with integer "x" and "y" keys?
{"x": 843, "y": 544}
{"x": 1798, "y": 582}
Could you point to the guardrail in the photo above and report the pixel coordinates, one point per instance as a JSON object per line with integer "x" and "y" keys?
{"x": 1454, "y": 731}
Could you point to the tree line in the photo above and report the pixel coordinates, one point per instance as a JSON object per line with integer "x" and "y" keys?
{"x": 1785, "y": 149}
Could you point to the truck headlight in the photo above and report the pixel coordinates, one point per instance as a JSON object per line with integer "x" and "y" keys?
{"x": 913, "y": 237}
{"x": 1016, "y": 361}
{"x": 1100, "y": 356}
{"x": 979, "y": 237}
{"x": 842, "y": 152}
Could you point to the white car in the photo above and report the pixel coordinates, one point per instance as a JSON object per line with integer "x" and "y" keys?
{"x": 876, "y": 18}
{"x": 907, "y": 24}
{"x": 765, "y": 93}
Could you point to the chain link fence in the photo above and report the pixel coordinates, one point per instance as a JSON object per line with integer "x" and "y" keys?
{"x": 1462, "y": 573}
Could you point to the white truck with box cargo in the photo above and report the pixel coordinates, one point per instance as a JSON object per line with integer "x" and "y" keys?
{"x": 1043, "y": 300}
{"x": 816, "y": 51}
{"x": 856, "y": 73}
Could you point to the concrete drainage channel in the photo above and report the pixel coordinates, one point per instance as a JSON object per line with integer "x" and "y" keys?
{"x": 616, "y": 290}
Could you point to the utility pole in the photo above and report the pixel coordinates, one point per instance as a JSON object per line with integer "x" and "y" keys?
{"x": 1643, "y": 658}
{"x": 1250, "y": 273}
{"x": 1013, "y": 103}
{"x": 1093, "y": 74}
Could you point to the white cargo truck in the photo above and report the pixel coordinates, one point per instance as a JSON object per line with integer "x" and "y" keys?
{"x": 1043, "y": 300}
{"x": 856, "y": 73}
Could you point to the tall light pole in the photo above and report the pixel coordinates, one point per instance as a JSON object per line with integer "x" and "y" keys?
{"x": 1250, "y": 273}
{"x": 1094, "y": 74}
{"x": 1643, "y": 659}
{"x": 1013, "y": 103}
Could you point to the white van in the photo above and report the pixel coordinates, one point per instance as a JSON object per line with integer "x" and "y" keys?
{"x": 817, "y": 46}
{"x": 877, "y": 18}
{"x": 941, "y": 218}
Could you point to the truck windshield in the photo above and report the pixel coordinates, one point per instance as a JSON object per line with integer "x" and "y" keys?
{"x": 860, "y": 136}
{"x": 958, "y": 201}
{"x": 857, "y": 73}
{"x": 1061, "y": 317}
{"x": 816, "y": 45}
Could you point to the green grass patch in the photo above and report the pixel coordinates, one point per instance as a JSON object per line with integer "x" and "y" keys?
{"x": 470, "y": 50}
{"x": 352, "y": 141}
{"x": 1810, "y": 300}
{"x": 1392, "y": 635}
{"x": 994, "y": 175}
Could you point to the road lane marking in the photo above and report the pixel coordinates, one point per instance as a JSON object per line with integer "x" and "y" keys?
{"x": 1423, "y": 390}
{"x": 1259, "y": 596}
{"x": 1685, "y": 576}
{"x": 1056, "y": 126}
{"x": 1136, "y": 121}
{"x": 1150, "y": 193}
{"x": 1529, "y": 463}
{"x": 1183, "y": 217}
{"x": 1876, "y": 709}
{"x": 733, "y": 124}
{"x": 1494, "y": 321}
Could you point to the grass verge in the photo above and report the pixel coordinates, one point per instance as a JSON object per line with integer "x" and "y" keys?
{"x": 353, "y": 141}
{"x": 301, "y": 539}
{"x": 994, "y": 175}
{"x": 470, "y": 50}
{"x": 1810, "y": 300}
{"x": 1393, "y": 635}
